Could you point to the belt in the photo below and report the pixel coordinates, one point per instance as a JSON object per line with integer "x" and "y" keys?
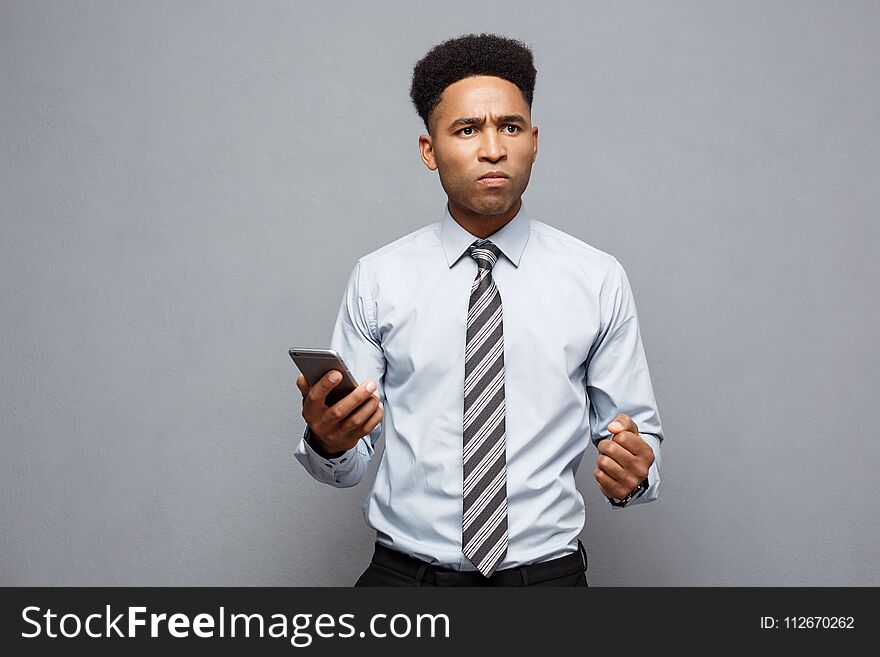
{"x": 521, "y": 576}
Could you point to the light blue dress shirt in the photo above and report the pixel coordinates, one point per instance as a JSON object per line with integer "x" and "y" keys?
{"x": 573, "y": 360}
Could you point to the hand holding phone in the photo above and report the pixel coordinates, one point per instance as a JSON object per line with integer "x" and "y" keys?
{"x": 317, "y": 363}
{"x": 338, "y": 412}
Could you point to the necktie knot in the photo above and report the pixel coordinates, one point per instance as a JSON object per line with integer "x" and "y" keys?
{"x": 485, "y": 253}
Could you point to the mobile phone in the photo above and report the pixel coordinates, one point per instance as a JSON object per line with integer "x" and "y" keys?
{"x": 315, "y": 363}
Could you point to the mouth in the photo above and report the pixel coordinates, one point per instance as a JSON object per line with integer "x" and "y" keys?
{"x": 494, "y": 179}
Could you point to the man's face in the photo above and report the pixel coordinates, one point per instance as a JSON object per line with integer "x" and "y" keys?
{"x": 481, "y": 124}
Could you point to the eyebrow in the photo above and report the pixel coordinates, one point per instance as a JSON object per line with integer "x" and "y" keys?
{"x": 471, "y": 120}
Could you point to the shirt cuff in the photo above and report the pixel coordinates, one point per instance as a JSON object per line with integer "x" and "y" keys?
{"x": 336, "y": 465}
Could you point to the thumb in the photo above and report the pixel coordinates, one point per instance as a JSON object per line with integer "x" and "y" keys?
{"x": 618, "y": 423}
{"x": 328, "y": 382}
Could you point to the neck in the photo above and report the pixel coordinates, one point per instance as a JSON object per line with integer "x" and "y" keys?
{"x": 482, "y": 225}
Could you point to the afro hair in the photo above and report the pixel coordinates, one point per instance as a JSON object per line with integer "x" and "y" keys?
{"x": 466, "y": 56}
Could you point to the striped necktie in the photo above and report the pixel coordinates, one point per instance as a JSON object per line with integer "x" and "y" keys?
{"x": 484, "y": 510}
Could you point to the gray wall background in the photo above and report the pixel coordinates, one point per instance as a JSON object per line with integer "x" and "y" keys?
{"x": 185, "y": 187}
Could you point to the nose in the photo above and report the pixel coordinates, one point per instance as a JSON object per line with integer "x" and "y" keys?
{"x": 491, "y": 146}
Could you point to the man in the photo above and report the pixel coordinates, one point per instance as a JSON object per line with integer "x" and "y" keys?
{"x": 497, "y": 345}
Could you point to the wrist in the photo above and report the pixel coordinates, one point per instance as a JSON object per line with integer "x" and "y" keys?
{"x": 636, "y": 492}
{"x": 317, "y": 444}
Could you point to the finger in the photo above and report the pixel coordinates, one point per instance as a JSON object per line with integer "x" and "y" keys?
{"x": 631, "y": 442}
{"x": 362, "y": 413}
{"x": 636, "y": 466}
{"x": 351, "y": 401}
{"x": 604, "y": 481}
{"x": 374, "y": 420}
{"x": 619, "y": 451}
{"x": 622, "y": 422}
{"x": 302, "y": 384}
{"x": 611, "y": 468}
{"x": 613, "y": 487}
{"x": 325, "y": 384}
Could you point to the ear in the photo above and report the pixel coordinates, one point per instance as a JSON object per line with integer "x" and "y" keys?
{"x": 426, "y": 150}
{"x": 535, "y": 139}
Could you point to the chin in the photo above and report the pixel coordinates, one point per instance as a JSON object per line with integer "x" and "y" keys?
{"x": 495, "y": 209}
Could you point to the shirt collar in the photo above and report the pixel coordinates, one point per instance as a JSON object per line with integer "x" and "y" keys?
{"x": 511, "y": 238}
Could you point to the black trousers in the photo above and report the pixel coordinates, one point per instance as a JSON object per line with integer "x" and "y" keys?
{"x": 392, "y": 568}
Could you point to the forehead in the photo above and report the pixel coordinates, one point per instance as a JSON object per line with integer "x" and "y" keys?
{"x": 478, "y": 96}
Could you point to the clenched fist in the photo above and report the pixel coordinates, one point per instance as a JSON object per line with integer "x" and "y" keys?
{"x": 624, "y": 460}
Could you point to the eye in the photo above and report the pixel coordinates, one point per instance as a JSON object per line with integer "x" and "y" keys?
{"x": 467, "y": 128}
{"x": 515, "y": 127}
